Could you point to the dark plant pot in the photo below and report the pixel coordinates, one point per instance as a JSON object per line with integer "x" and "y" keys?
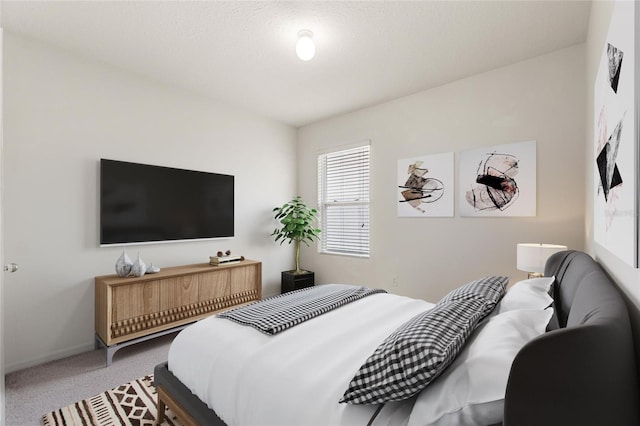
{"x": 292, "y": 281}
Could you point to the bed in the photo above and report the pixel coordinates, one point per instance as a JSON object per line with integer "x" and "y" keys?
{"x": 532, "y": 360}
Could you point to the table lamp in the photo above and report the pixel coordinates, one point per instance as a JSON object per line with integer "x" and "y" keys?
{"x": 532, "y": 257}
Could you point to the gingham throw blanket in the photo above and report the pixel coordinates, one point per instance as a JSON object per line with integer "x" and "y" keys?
{"x": 279, "y": 313}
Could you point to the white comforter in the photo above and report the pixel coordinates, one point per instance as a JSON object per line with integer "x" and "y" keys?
{"x": 297, "y": 376}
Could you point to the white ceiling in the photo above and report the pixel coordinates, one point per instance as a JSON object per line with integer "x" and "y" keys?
{"x": 243, "y": 52}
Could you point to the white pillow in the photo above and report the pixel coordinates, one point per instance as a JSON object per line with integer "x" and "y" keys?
{"x": 471, "y": 391}
{"x": 527, "y": 294}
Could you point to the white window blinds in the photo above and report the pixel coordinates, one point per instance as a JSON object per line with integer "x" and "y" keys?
{"x": 343, "y": 199}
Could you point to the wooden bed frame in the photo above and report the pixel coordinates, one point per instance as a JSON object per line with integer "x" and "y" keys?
{"x": 581, "y": 372}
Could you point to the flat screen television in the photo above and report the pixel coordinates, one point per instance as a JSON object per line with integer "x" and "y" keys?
{"x": 141, "y": 203}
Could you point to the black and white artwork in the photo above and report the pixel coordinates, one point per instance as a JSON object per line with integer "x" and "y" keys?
{"x": 499, "y": 180}
{"x": 608, "y": 170}
{"x": 614, "y": 58}
{"x": 615, "y": 219}
{"x": 425, "y": 186}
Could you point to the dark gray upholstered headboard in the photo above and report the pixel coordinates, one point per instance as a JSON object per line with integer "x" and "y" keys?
{"x": 583, "y": 372}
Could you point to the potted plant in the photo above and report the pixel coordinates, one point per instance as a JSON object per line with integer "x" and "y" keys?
{"x": 297, "y": 226}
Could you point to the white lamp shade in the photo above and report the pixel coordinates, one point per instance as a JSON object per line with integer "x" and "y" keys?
{"x": 305, "y": 48}
{"x": 532, "y": 257}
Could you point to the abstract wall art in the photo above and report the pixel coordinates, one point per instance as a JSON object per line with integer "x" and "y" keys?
{"x": 499, "y": 180}
{"x": 425, "y": 186}
{"x": 615, "y": 215}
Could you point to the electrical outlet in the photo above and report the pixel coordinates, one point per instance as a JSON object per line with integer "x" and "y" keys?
{"x": 394, "y": 281}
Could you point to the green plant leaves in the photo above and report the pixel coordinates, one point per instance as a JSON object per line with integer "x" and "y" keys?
{"x": 297, "y": 220}
{"x": 297, "y": 225}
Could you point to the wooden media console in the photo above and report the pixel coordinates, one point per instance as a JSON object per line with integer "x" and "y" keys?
{"x": 133, "y": 309}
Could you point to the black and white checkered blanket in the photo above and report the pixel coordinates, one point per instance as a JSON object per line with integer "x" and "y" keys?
{"x": 279, "y": 313}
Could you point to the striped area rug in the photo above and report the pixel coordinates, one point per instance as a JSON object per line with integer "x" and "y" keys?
{"x": 132, "y": 404}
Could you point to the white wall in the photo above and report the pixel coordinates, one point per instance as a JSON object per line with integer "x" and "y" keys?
{"x": 540, "y": 99}
{"x": 2, "y": 369}
{"x": 628, "y": 278}
{"x": 62, "y": 114}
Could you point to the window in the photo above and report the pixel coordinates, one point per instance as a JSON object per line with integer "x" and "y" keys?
{"x": 343, "y": 200}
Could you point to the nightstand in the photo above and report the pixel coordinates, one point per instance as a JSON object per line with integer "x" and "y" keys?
{"x": 291, "y": 282}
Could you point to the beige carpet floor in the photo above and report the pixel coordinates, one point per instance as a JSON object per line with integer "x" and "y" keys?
{"x": 33, "y": 392}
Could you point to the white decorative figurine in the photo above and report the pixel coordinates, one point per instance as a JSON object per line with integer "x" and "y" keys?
{"x": 123, "y": 265}
{"x": 152, "y": 269}
{"x": 139, "y": 268}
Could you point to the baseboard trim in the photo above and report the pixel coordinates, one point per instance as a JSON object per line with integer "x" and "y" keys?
{"x": 54, "y": 356}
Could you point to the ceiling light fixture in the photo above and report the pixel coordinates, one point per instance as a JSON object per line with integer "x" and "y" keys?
{"x": 305, "y": 49}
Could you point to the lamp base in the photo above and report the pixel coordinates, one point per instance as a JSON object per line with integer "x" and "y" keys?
{"x": 535, "y": 275}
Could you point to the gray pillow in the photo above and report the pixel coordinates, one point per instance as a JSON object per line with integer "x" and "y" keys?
{"x": 487, "y": 288}
{"x": 417, "y": 352}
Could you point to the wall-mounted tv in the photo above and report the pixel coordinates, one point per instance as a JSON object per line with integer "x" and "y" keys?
{"x": 141, "y": 203}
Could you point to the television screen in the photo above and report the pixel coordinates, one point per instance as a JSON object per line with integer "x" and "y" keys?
{"x": 143, "y": 203}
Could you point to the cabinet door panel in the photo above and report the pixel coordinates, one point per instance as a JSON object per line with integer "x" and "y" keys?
{"x": 131, "y": 301}
{"x": 178, "y": 291}
{"x": 243, "y": 279}
{"x": 214, "y": 285}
